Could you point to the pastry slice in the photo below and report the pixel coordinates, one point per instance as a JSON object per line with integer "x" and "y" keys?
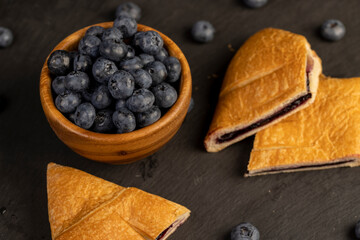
{"x": 82, "y": 206}
{"x": 324, "y": 135}
{"x": 273, "y": 75}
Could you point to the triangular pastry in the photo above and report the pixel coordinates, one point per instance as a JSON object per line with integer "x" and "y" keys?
{"x": 324, "y": 135}
{"x": 82, "y": 206}
{"x": 274, "y": 74}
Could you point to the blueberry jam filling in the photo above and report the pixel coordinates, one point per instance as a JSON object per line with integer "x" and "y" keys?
{"x": 298, "y": 102}
{"x": 308, "y": 166}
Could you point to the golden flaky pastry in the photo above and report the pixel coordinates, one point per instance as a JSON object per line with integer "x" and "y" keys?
{"x": 324, "y": 135}
{"x": 274, "y": 74}
{"x": 82, "y": 206}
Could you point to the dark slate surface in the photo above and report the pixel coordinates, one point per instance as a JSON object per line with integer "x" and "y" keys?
{"x": 306, "y": 205}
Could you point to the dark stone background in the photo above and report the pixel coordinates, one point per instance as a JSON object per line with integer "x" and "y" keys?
{"x": 306, "y": 205}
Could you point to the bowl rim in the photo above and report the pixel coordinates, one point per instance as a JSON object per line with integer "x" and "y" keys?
{"x": 184, "y": 93}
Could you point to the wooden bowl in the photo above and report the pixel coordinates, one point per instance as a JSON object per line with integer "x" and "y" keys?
{"x": 117, "y": 148}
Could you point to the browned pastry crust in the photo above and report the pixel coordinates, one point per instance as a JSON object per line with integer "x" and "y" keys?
{"x": 272, "y": 70}
{"x": 82, "y": 206}
{"x": 322, "y": 136}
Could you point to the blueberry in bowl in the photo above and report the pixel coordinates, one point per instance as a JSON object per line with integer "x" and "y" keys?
{"x": 121, "y": 130}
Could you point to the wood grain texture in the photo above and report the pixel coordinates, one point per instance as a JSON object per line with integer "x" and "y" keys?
{"x": 117, "y": 148}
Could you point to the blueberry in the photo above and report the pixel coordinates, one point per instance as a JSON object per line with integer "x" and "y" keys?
{"x": 255, "y": 3}
{"x": 146, "y": 58}
{"x": 124, "y": 120}
{"x": 103, "y": 69}
{"x": 157, "y": 71}
{"x": 96, "y": 31}
{"x": 77, "y": 81}
{"x": 141, "y": 100}
{"x": 101, "y": 97}
{"x": 58, "y": 84}
{"x": 149, "y": 42}
{"x": 87, "y": 93}
{"x": 89, "y": 45}
{"x": 131, "y": 64}
{"x": 357, "y": 230}
{"x": 121, "y": 84}
{"x": 142, "y": 78}
{"x": 203, "y": 31}
{"x": 59, "y": 62}
{"x": 120, "y": 103}
{"x": 333, "y": 30}
{"x": 103, "y": 122}
{"x": 245, "y": 231}
{"x": 6, "y": 37}
{"x": 165, "y": 95}
{"x": 130, "y": 8}
{"x": 67, "y": 101}
{"x": 113, "y": 50}
{"x": 85, "y": 115}
{"x": 112, "y": 33}
{"x": 161, "y": 55}
{"x": 130, "y": 52}
{"x": 148, "y": 117}
{"x": 82, "y": 63}
{"x": 71, "y": 117}
{"x": 173, "y": 68}
{"x": 126, "y": 25}
{"x": 191, "y": 105}
{"x": 123, "y": 14}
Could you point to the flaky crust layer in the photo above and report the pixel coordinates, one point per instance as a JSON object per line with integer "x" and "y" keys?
{"x": 324, "y": 133}
{"x": 82, "y": 206}
{"x": 267, "y": 73}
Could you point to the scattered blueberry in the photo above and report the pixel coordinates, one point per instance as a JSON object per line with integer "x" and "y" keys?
{"x": 146, "y": 58}
{"x": 101, "y": 97}
{"x": 148, "y": 117}
{"x": 161, "y": 55}
{"x": 82, "y": 63}
{"x": 191, "y": 105}
{"x": 77, "y": 81}
{"x": 103, "y": 69}
{"x": 58, "y": 84}
{"x": 120, "y": 103}
{"x": 113, "y": 49}
{"x": 173, "y": 68}
{"x": 89, "y": 45}
{"x": 67, "y": 101}
{"x": 124, "y": 120}
{"x": 157, "y": 71}
{"x": 141, "y": 100}
{"x": 357, "y": 230}
{"x": 130, "y": 8}
{"x": 59, "y": 62}
{"x": 255, "y": 3}
{"x": 103, "y": 122}
{"x": 165, "y": 95}
{"x": 85, "y": 115}
{"x": 333, "y": 30}
{"x": 130, "y": 52}
{"x": 112, "y": 33}
{"x": 245, "y": 231}
{"x": 126, "y": 25}
{"x": 96, "y": 31}
{"x": 149, "y": 42}
{"x": 131, "y": 64}
{"x": 142, "y": 78}
{"x": 6, "y": 37}
{"x": 121, "y": 84}
{"x": 203, "y": 31}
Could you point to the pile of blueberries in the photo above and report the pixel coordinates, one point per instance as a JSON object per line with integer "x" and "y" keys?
{"x": 119, "y": 80}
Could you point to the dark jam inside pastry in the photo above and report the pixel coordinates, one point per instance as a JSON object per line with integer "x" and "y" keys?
{"x": 175, "y": 225}
{"x": 298, "y": 102}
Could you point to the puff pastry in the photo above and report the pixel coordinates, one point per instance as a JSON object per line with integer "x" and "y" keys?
{"x": 82, "y": 206}
{"x": 324, "y": 135}
{"x": 274, "y": 74}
